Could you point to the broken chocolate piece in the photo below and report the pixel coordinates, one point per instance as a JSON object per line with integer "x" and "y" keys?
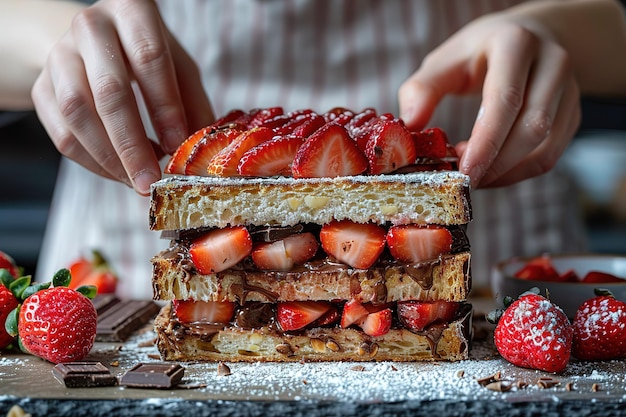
{"x": 103, "y": 302}
{"x": 83, "y": 375}
{"x": 159, "y": 375}
{"x": 274, "y": 233}
{"x": 117, "y": 323}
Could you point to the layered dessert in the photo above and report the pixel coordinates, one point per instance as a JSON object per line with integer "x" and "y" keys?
{"x": 319, "y": 237}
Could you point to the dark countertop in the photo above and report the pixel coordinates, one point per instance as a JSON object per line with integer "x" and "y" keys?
{"x": 319, "y": 389}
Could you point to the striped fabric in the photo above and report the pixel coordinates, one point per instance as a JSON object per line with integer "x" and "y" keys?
{"x": 314, "y": 54}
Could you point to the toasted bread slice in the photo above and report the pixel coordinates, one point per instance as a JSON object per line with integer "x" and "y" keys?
{"x": 180, "y": 203}
{"x": 441, "y": 342}
{"x": 446, "y": 278}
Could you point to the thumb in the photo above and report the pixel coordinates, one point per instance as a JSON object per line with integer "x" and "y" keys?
{"x": 420, "y": 94}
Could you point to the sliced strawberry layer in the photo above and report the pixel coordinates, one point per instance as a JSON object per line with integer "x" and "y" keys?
{"x": 417, "y": 315}
{"x": 413, "y": 243}
{"x": 295, "y": 315}
{"x": 214, "y": 312}
{"x": 220, "y": 249}
{"x": 177, "y": 162}
{"x": 225, "y": 162}
{"x": 329, "y": 152}
{"x": 273, "y": 157}
{"x": 431, "y": 143}
{"x": 355, "y": 244}
{"x": 206, "y": 148}
{"x": 389, "y": 147}
{"x": 284, "y": 254}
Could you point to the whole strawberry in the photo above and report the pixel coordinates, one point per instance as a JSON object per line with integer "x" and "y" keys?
{"x": 6, "y": 262}
{"x": 8, "y": 302}
{"x": 55, "y": 323}
{"x": 600, "y": 328}
{"x": 534, "y": 333}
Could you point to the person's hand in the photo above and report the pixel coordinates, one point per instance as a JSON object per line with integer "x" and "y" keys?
{"x": 85, "y": 98}
{"x": 530, "y": 107}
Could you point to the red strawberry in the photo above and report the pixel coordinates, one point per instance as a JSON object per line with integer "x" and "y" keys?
{"x": 176, "y": 164}
{"x": 228, "y": 118}
{"x": 360, "y": 120}
{"x": 341, "y": 115}
{"x": 353, "y": 313}
{"x": 6, "y": 262}
{"x": 259, "y": 116}
{"x": 431, "y": 143}
{"x": 220, "y": 249}
{"x": 214, "y": 312}
{"x": 329, "y": 152}
{"x": 273, "y": 157}
{"x": 206, "y": 148}
{"x": 355, "y": 244}
{"x": 95, "y": 271}
{"x": 601, "y": 278}
{"x": 280, "y": 120}
{"x": 534, "y": 333}
{"x": 389, "y": 147}
{"x": 225, "y": 162}
{"x": 328, "y": 318}
{"x": 57, "y": 324}
{"x": 294, "y": 315}
{"x": 413, "y": 243}
{"x": 417, "y": 315}
{"x": 8, "y": 302}
{"x": 377, "y": 323}
{"x": 600, "y": 328}
{"x": 283, "y": 254}
{"x": 539, "y": 269}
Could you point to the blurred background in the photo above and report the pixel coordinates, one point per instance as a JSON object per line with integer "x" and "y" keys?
{"x": 596, "y": 160}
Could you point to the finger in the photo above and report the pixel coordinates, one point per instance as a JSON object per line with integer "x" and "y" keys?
{"x": 532, "y": 127}
{"x": 53, "y": 121}
{"x": 75, "y": 104}
{"x": 151, "y": 62}
{"x": 502, "y": 98}
{"x": 198, "y": 110}
{"x": 420, "y": 94}
{"x": 544, "y": 157}
{"x": 114, "y": 99}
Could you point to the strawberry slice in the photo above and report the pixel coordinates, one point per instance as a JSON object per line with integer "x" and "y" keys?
{"x": 329, "y": 152}
{"x": 431, "y": 143}
{"x": 377, "y": 323}
{"x": 328, "y": 318}
{"x": 225, "y": 162}
{"x": 353, "y": 313}
{"x": 213, "y": 312}
{"x": 259, "y": 116}
{"x": 176, "y": 164}
{"x": 417, "y": 315}
{"x": 294, "y": 315}
{"x": 601, "y": 278}
{"x": 355, "y": 244}
{"x": 389, "y": 147}
{"x": 309, "y": 126}
{"x": 228, "y": 118}
{"x": 360, "y": 120}
{"x": 539, "y": 269}
{"x": 206, "y": 148}
{"x": 339, "y": 115}
{"x": 413, "y": 243}
{"x": 220, "y": 249}
{"x": 284, "y": 254}
{"x": 273, "y": 157}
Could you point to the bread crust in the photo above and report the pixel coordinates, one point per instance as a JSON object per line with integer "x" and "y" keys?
{"x": 180, "y": 202}
{"x": 447, "y": 278}
{"x": 444, "y": 342}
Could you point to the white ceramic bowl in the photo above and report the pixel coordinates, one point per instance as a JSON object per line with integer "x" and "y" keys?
{"x": 568, "y": 295}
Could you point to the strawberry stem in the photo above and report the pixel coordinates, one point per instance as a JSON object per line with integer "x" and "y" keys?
{"x": 89, "y": 291}
{"x": 18, "y": 286}
{"x": 10, "y": 325}
{"x": 5, "y": 277}
{"x": 602, "y": 291}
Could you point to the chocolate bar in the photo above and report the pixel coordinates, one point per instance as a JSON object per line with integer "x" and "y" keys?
{"x": 83, "y": 375}
{"x": 103, "y": 302}
{"x": 118, "y": 322}
{"x": 153, "y": 375}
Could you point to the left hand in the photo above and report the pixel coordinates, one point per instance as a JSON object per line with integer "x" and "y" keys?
{"x": 530, "y": 107}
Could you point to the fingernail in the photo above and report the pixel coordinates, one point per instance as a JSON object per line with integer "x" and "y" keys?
{"x": 172, "y": 138}
{"x": 143, "y": 180}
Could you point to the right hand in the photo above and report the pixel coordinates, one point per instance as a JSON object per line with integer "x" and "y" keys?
{"x": 85, "y": 100}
